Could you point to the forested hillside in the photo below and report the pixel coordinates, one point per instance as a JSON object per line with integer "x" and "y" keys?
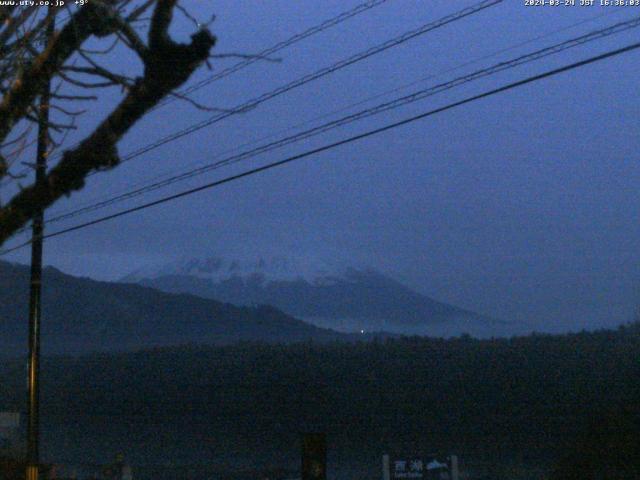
{"x": 528, "y": 400}
{"x": 81, "y": 315}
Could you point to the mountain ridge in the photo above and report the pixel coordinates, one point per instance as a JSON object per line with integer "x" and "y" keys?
{"x": 82, "y": 315}
{"x": 325, "y": 293}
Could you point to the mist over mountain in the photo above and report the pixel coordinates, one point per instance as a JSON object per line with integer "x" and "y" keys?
{"x": 326, "y": 293}
{"x": 81, "y": 315}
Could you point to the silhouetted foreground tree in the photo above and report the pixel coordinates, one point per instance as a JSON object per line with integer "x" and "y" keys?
{"x": 28, "y": 62}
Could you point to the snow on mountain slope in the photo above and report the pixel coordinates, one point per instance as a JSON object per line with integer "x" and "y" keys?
{"x": 323, "y": 292}
{"x": 271, "y": 268}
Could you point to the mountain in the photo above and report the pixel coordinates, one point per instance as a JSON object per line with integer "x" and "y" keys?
{"x": 82, "y": 315}
{"x": 349, "y": 299}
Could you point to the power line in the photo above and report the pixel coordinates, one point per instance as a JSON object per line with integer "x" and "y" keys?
{"x": 89, "y": 206}
{"x": 345, "y": 141}
{"x": 253, "y": 103}
{"x": 405, "y": 37}
{"x": 331, "y": 22}
{"x": 256, "y": 101}
{"x": 277, "y": 47}
{"x": 386, "y": 106}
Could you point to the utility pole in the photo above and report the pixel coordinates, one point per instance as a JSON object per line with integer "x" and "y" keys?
{"x": 314, "y": 456}
{"x": 35, "y": 292}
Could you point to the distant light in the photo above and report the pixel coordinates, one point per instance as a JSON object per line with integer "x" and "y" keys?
{"x": 361, "y": 331}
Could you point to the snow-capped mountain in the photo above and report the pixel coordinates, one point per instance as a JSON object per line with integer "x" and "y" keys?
{"x": 323, "y": 292}
{"x": 272, "y": 268}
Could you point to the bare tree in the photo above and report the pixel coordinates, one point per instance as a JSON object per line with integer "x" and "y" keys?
{"x": 28, "y": 62}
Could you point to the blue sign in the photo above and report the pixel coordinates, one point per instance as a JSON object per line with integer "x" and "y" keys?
{"x": 418, "y": 468}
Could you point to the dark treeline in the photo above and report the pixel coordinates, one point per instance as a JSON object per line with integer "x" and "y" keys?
{"x": 539, "y": 398}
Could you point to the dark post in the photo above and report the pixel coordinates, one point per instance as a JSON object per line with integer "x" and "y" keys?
{"x": 314, "y": 456}
{"x": 33, "y": 430}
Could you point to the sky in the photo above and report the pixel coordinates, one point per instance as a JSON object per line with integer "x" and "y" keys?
{"x": 522, "y": 206}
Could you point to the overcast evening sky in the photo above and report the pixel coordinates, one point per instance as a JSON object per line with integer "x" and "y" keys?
{"x": 522, "y": 206}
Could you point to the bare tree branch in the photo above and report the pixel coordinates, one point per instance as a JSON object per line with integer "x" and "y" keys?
{"x": 91, "y": 19}
{"x": 167, "y": 65}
